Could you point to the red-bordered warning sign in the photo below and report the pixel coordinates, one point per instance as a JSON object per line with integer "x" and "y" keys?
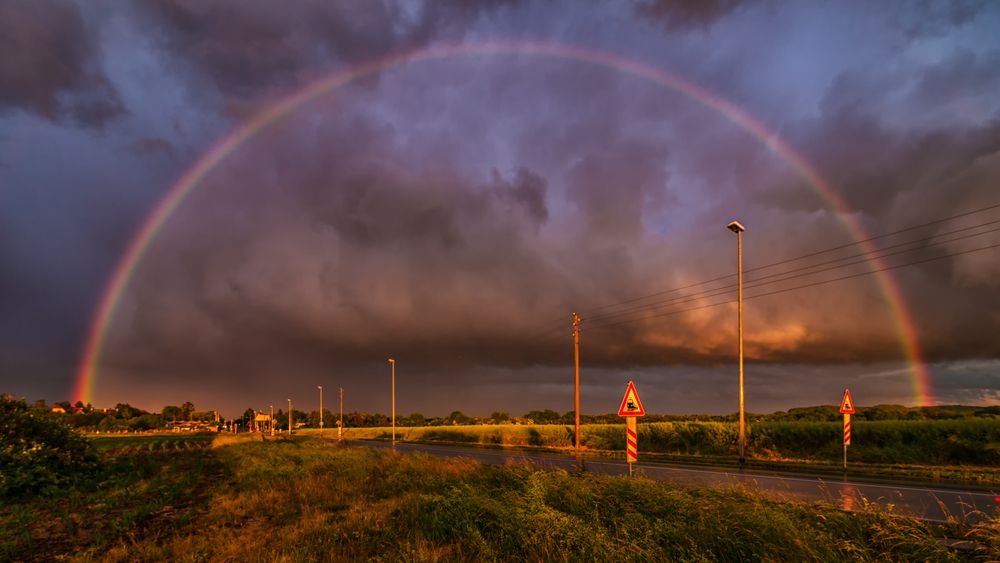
{"x": 847, "y": 404}
{"x": 631, "y": 405}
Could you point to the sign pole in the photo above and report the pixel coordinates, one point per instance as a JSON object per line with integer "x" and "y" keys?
{"x": 631, "y": 443}
{"x": 847, "y": 408}
{"x": 631, "y": 408}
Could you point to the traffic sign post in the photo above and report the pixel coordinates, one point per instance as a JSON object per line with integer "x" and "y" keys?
{"x": 631, "y": 408}
{"x": 847, "y": 408}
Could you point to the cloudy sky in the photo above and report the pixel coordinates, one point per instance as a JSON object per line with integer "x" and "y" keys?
{"x": 454, "y": 212}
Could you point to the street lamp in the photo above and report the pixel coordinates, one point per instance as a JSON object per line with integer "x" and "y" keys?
{"x": 320, "y": 387}
{"x": 392, "y": 364}
{"x": 270, "y": 422}
{"x": 289, "y": 418}
{"x": 738, "y": 228}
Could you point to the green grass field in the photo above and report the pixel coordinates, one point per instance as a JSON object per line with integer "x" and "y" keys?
{"x": 195, "y": 498}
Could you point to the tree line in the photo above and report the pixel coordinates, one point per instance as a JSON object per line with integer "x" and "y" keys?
{"x": 125, "y": 417}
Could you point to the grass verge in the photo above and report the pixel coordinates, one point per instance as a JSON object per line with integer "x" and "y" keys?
{"x": 304, "y": 499}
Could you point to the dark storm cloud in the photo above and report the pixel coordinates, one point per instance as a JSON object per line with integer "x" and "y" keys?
{"x": 51, "y": 64}
{"x": 683, "y": 14}
{"x": 930, "y": 18}
{"x": 249, "y": 49}
{"x": 453, "y": 213}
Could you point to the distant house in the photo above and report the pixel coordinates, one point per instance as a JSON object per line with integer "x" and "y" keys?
{"x": 58, "y": 409}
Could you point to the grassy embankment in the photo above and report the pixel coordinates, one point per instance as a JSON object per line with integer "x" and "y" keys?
{"x": 965, "y": 451}
{"x": 308, "y": 500}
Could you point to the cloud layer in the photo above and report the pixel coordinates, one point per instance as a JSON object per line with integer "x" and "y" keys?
{"x": 454, "y": 213}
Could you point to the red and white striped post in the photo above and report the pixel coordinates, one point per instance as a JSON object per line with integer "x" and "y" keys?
{"x": 847, "y": 408}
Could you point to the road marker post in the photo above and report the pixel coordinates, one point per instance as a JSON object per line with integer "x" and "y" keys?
{"x": 631, "y": 408}
{"x": 847, "y": 408}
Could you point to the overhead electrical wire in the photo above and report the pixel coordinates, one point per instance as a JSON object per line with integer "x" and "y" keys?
{"x": 800, "y": 272}
{"x": 804, "y": 271}
{"x": 803, "y": 286}
{"x": 801, "y": 257}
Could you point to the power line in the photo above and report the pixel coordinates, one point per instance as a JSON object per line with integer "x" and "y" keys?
{"x": 803, "y": 286}
{"x": 877, "y": 254}
{"x": 797, "y": 258}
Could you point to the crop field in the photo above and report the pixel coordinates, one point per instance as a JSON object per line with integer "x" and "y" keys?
{"x": 305, "y": 499}
{"x": 153, "y": 443}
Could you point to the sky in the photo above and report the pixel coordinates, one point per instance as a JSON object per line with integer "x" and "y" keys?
{"x": 453, "y": 212}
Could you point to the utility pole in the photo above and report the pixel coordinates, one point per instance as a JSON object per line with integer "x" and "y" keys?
{"x": 737, "y": 228}
{"x": 289, "y": 418}
{"x": 340, "y": 427}
{"x": 576, "y": 376}
{"x": 320, "y": 387}
{"x": 392, "y": 363}
{"x": 271, "y": 421}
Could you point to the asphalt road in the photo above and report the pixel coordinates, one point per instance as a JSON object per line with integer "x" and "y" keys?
{"x": 921, "y": 501}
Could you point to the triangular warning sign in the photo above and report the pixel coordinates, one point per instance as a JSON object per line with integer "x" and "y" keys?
{"x": 847, "y": 404}
{"x": 631, "y": 405}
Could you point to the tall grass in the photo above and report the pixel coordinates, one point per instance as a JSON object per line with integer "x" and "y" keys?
{"x": 307, "y": 500}
{"x": 304, "y": 500}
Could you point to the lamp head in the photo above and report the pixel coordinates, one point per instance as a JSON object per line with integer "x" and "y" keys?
{"x": 736, "y": 227}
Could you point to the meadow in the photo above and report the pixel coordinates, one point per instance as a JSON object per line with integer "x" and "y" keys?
{"x": 966, "y": 450}
{"x": 246, "y": 498}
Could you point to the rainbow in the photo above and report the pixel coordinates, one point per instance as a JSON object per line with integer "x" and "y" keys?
{"x": 190, "y": 180}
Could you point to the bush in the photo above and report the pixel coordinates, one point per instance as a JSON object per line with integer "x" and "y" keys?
{"x": 37, "y": 453}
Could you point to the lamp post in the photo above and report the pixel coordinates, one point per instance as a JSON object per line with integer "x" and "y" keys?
{"x": 738, "y": 228}
{"x": 320, "y": 387}
{"x": 392, "y": 364}
{"x": 289, "y": 418}
{"x": 271, "y": 421}
{"x": 340, "y": 427}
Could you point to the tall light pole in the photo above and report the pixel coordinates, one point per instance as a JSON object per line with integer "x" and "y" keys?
{"x": 576, "y": 375}
{"x": 271, "y": 421}
{"x": 340, "y": 427}
{"x": 737, "y": 228}
{"x": 392, "y": 364}
{"x": 289, "y": 418}
{"x": 320, "y": 387}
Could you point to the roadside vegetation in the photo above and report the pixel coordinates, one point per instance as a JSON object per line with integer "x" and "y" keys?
{"x": 966, "y": 450}
{"x": 251, "y": 498}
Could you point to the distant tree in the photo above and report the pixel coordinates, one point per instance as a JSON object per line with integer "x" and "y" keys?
{"x": 499, "y": 417}
{"x": 187, "y": 408}
{"x": 416, "y": 419}
{"x": 172, "y": 413}
{"x": 248, "y": 416}
{"x": 127, "y": 411}
{"x": 456, "y": 417}
{"x": 547, "y": 416}
{"x": 40, "y": 405}
{"x": 66, "y": 406}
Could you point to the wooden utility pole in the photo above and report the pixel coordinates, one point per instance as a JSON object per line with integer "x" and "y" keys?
{"x": 340, "y": 428}
{"x": 576, "y": 376}
{"x": 289, "y": 418}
